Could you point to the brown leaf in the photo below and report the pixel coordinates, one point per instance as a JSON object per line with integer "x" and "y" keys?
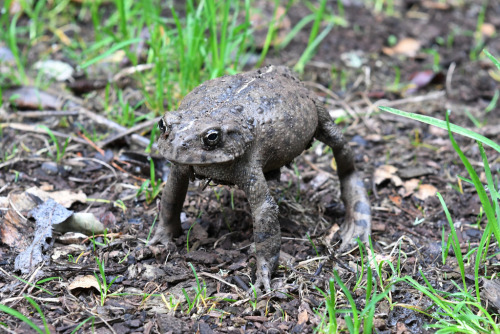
{"x": 425, "y": 191}
{"x": 488, "y": 29}
{"x": 407, "y": 47}
{"x": 410, "y": 186}
{"x": 83, "y": 283}
{"x": 396, "y": 200}
{"x": 435, "y": 5}
{"x": 387, "y": 172}
{"x": 302, "y": 317}
{"x": 64, "y": 197}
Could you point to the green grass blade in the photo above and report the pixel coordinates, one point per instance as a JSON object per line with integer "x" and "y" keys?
{"x": 348, "y": 295}
{"x": 481, "y": 249}
{"x": 298, "y": 27}
{"x": 81, "y": 324}
{"x": 492, "y": 58}
{"x": 456, "y": 243}
{"x": 109, "y": 52}
{"x": 442, "y": 124}
{"x": 21, "y": 317}
{"x": 309, "y": 51}
{"x": 39, "y": 310}
{"x": 485, "y": 201}
{"x": 13, "y": 46}
{"x": 270, "y": 34}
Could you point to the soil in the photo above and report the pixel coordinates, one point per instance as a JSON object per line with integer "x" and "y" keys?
{"x": 403, "y": 163}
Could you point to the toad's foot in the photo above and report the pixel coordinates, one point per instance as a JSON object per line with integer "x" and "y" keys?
{"x": 358, "y": 213}
{"x": 264, "y": 271}
{"x": 353, "y": 229}
{"x": 161, "y": 237}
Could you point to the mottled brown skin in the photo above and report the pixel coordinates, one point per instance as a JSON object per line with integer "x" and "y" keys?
{"x": 239, "y": 129}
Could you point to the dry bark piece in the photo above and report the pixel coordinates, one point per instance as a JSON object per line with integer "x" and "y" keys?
{"x": 46, "y": 214}
{"x": 412, "y": 172}
{"x": 32, "y": 98}
{"x": 82, "y": 86}
{"x": 491, "y": 291}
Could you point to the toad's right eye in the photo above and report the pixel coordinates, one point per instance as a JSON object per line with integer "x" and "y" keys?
{"x": 163, "y": 128}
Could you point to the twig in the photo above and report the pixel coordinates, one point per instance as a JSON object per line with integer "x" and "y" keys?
{"x": 219, "y": 279}
{"x": 303, "y": 263}
{"x": 44, "y": 113}
{"x": 413, "y": 99}
{"x": 449, "y": 76}
{"x": 16, "y": 160}
{"x": 137, "y": 139}
{"x": 136, "y": 128}
{"x": 131, "y": 70}
{"x": 335, "y": 97}
{"x": 36, "y": 129}
{"x": 316, "y": 168}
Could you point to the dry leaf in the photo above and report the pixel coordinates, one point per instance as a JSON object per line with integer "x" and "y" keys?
{"x": 410, "y": 186}
{"x": 397, "y": 200}
{"x": 387, "y": 172}
{"x": 83, "y": 222}
{"x": 302, "y": 317}
{"x": 425, "y": 191}
{"x": 70, "y": 238}
{"x": 488, "y": 29}
{"x": 435, "y": 5}
{"x": 407, "y": 47}
{"x": 64, "y": 197}
{"x": 83, "y": 282}
{"x": 63, "y": 252}
{"x": 55, "y": 69}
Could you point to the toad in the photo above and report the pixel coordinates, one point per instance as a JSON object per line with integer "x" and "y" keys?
{"x": 240, "y": 130}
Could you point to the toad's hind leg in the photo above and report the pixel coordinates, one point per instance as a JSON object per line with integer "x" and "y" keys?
{"x": 358, "y": 217}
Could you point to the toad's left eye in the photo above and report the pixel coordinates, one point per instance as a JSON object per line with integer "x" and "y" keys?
{"x": 211, "y": 137}
{"x": 162, "y": 126}
{"x": 164, "y": 129}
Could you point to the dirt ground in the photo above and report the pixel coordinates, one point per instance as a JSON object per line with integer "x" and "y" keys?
{"x": 403, "y": 164}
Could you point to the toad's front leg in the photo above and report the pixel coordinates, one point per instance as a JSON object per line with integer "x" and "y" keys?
{"x": 266, "y": 228}
{"x": 172, "y": 199}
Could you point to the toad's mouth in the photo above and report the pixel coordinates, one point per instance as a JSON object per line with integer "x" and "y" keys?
{"x": 201, "y": 157}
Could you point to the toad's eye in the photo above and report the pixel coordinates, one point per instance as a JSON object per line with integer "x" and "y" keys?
{"x": 211, "y": 137}
{"x": 163, "y": 128}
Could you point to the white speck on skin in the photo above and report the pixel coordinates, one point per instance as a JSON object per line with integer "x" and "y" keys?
{"x": 270, "y": 69}
{"x": 187, "y": 127}
{"x": 245, "y": 86}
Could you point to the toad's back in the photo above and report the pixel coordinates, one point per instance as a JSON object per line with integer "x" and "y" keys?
{"x": 271, "y": 104}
